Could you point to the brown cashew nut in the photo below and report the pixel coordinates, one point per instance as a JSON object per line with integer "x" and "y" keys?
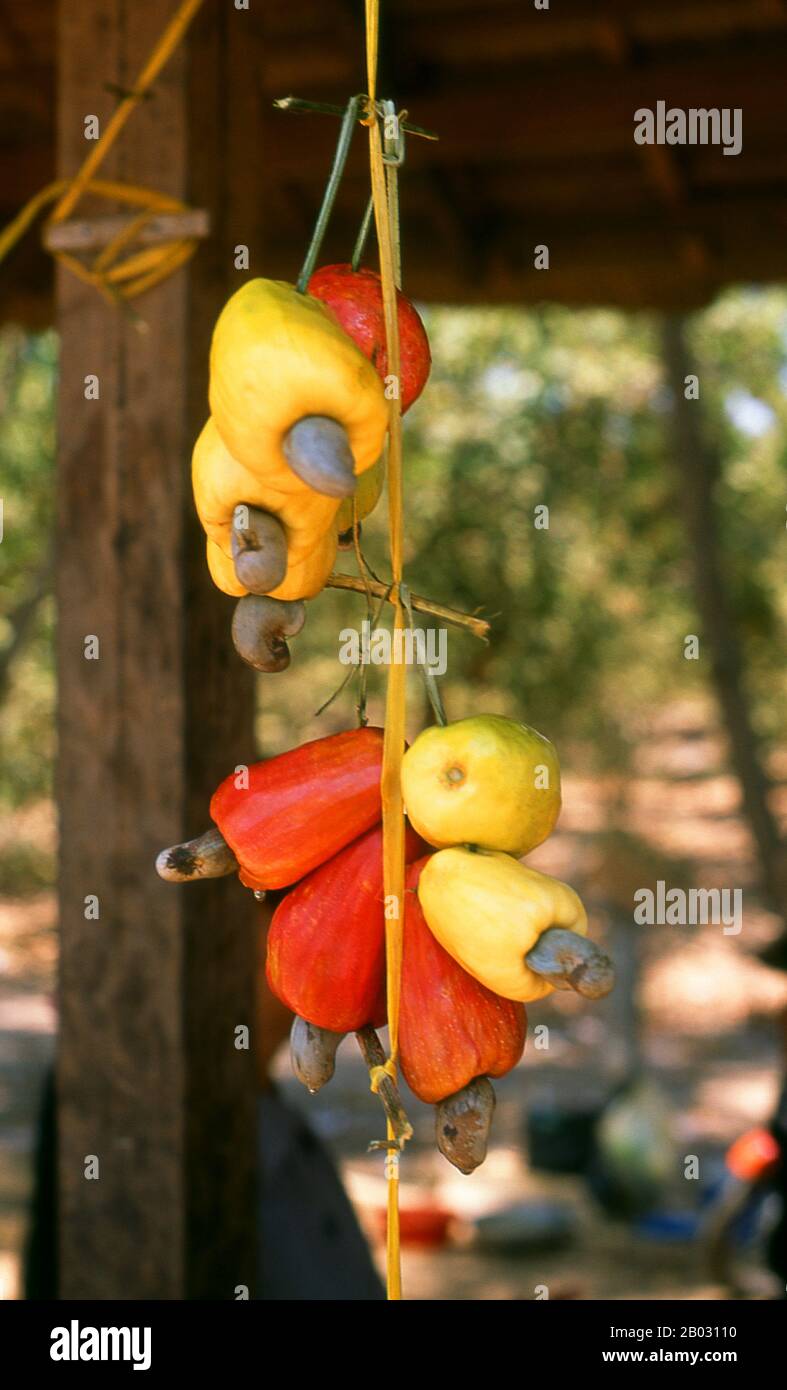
{"x": 259, "y": 549}
{"x": 570, "y": 961}
{"x": 209, "y": 856}
{"x": 313, "y": 1053}
{"x": 463, "y": 1122}
{"x": 260, "y": 625}
{"x": 318, "y": 451}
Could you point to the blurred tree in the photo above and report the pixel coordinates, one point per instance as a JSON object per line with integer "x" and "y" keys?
{"x": 699, "y": 466}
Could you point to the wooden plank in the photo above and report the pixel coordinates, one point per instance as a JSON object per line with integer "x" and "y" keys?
{"x": 149, "y": 1078}
{"x": 91, "y": 233}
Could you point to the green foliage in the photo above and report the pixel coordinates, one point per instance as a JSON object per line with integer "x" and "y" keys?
{"x": 26, "y": 865}
{"x": 569, "y": 410}
{"x": 27, "y": 431}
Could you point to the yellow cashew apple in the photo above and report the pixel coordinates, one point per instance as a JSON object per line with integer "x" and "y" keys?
{"x": 484, "y": 781}
{"x": 220, "y": 483}
{"x": 276, "y": 357}
{"x": 488, "y": 910}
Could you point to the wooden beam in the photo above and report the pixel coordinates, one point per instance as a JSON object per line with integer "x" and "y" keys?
{"x": 587, "y": 114}
{"x": 699, "y": 15}
{"x": 665, "y": 173}
{"x": 91, "y": 233}
{"x": 150, "y": 1080}
{"x": 310, "y": 40}
{"x": 612, "y": 41}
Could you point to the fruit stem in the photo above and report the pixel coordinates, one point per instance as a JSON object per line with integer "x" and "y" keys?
{"x": 388, "y": 1091}
{"x": 478, "y": 626}
{"x": 434, "y": 697}
{"x": 337, "y": 692}
{"x": 326, "y": 108}
{"x": 360, "y": 241}
{"x": 430, "y": 684}
{"x": 329, "y": 197}
{"x": 361, "y": 563}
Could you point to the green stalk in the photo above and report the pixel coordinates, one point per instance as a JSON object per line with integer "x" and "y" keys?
{"x": 329, "y": 197}
{"x": 360, "y": 241}
{"x": 432, "y": 689}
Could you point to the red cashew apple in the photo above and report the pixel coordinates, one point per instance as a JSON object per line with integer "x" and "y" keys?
{"x": 355, "y": 297}
{"x": 326, "y": 943}
{"x": 451, "y": 1028}
{"x": 302, "y": 807}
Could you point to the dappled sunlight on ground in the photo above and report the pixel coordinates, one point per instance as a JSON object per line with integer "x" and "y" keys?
{"x": 705, "y": 987}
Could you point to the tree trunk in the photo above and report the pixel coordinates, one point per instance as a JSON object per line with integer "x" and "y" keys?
{"x": 698, "y": 468}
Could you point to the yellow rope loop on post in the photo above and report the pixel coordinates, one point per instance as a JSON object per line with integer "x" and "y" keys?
{"x": 393, "y": 741}
{"x": 115, "y": 279}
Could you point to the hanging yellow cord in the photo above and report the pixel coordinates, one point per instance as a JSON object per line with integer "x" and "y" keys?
{"x": 393, "y": 743}
{"x": 144, "y": 269}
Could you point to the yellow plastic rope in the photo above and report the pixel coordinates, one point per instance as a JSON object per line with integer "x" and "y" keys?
{"x": 377, "y": 1075}
{"x": 393, "y": 742}
{"x": 146, "y": 268}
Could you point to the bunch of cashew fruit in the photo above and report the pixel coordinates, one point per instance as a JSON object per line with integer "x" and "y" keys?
{"x": 289, "y": 463}
{"x": 482, "y": 933}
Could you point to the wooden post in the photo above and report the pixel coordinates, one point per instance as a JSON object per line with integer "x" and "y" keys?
{"x": 150, "y": 1080}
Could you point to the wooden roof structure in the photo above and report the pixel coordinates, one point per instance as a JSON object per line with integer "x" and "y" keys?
{"x": 534, "y": 109}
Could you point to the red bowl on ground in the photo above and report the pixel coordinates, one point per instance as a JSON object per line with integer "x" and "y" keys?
{"x": 418, "y": 1225}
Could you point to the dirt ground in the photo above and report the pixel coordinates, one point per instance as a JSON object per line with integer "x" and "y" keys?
{"x": 695, "y": 1014}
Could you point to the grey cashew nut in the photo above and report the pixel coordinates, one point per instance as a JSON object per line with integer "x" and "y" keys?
{"x": 570, "y": 961}
{"x": 463, "y": 1122}
{"x": 260, "y": 626}
{"x": 313, "y": 1053}
{"x": 318, "y": 450}
{"x": 209, "y": 856}
{"x": 259, "y": 549}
